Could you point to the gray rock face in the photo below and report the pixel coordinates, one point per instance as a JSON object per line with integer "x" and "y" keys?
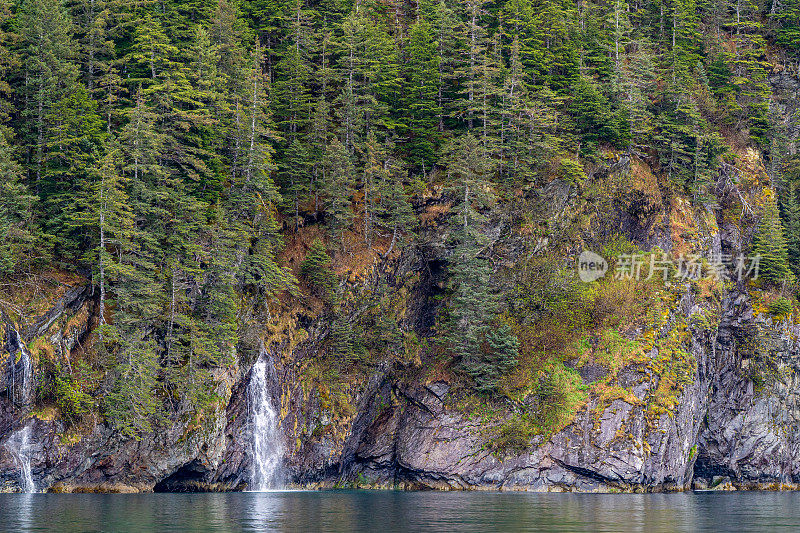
{"x": 102, "y": 461}
{"x": 750, "y": 432}
{"x": 733, "y": 423}
{"x": 721, "y": 426}
{"x": 735, "y": 420}
{"x": 419, "y": 443}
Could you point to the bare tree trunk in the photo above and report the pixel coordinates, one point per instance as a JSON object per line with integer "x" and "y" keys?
{"x": 473, "y": 39}
{"x": 616, "y": 37}
{"x": 237, "y": 141}
{"x": 466, "y": 206}
{"x": 249, "y": 169}
{"x": 366, "y": 213}
{"x": 90, "y": 66}
{"x": 39, "y": 139}
{"x": 394, "y": 239}
{"x": 171, "y": 316}
{"x": 738, "y": 15}
{"x": 101, "y": 259}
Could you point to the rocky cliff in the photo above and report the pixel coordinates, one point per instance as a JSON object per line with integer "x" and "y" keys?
{"x": 698, "y": 390}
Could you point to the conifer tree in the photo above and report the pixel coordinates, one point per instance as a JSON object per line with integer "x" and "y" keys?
{"x": 93, "y": 19}
{"x": 131, "y": 404}
{"x": 295, "y": 175}
{"x": 770, "y": 243}
{"x": 76, "y": 136}
{"x": 209, "y": 85}
{"x": 501, "y": 355}
{"x": 229, "y": 34}
{"x": 420, "y": 92}
{"x": 390, "y": 209}
{"x": 445, "y": 25}
{"x": 638, "y": 80}
{"x": 370, "y": 71}
{"x": 253, "y": 197}
{"x": 295, "y": 71}
{"x": 340, "y": 182}
{"x": 124, "y": 270}
{"x": 108, "y": 222}
{"x": 21, "y": 243}
{"x": 322, "y": 131}
{"x": 9, "y": 61}
{"x": 256, "y": 129}
{"x": 47, "y": 51}
{"x": 473, "y": 305}
{"x": 316, "y": 268}
{"x": 792, "y": 225}
{"x": 471, "y": 71}
{"x": 787, "y": 15}
{"x": 469, "y": 173}
{"x": 679, "y": 139}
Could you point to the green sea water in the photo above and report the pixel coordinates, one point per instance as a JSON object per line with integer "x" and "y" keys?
{"x": 389, "y": 511}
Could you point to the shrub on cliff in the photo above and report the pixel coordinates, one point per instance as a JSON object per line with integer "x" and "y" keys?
{"x": 780, "y": 307}
{"x": 498, "y": 357}
{"x": 69, "y": 389}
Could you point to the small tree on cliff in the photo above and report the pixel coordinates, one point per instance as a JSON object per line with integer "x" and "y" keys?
{"x": 770, "y": 243}
{"x": 316, "y": 268}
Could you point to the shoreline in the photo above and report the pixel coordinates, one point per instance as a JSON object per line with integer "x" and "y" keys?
{"x": 122, "y": 488}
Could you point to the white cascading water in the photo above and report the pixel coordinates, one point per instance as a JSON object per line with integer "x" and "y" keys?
{"x": 267, "y": 444}
{"x": 26, "y": 376}
{"x": 19, "y": 444}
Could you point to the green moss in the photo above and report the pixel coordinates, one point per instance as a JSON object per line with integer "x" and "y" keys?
{"x": 615, "y": 351}
{"x": 780, "y": 307}
{"x": 513, "y": 435}
{"x": 675, "y": 367}
{"x": 699, "y": 322}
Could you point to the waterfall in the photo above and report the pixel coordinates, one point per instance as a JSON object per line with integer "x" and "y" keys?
{"x": 21, "y": 394}
{"x": 267, "y": 443}
{"x": 24, "y": 391}
{"x": 19, "y": 444}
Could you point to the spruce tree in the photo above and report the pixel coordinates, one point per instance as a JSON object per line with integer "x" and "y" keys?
{"x": 473, "y": 305}
{"x": 21, "y": 243}
{"x": 253, "y": 197}
{"x": 75, "y": 140}
{"x": 469, "y": 174}
{"x": 391, "y": 209}
{"x": 295, "y": 71}
{"x": 471, "y": 71}
{"x": 294, "y": 177}
{"x": 339, "y": 187}
{"x": 106, "y": 220}
{"x": 770, "y": 243}
{"x": 47, "y": 53}
{"x": 445, "y": 26}
{"x": 420, "y": 92}
{"x": 500, "y": 356}
{"x": 792, "y": 218}
{"x": 316, "y": 269}
{"x": 370, "y": 74}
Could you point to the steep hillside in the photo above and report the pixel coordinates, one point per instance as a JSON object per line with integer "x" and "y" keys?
{"x": 624, "y": 385}
{"x": 518, "y": 244}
